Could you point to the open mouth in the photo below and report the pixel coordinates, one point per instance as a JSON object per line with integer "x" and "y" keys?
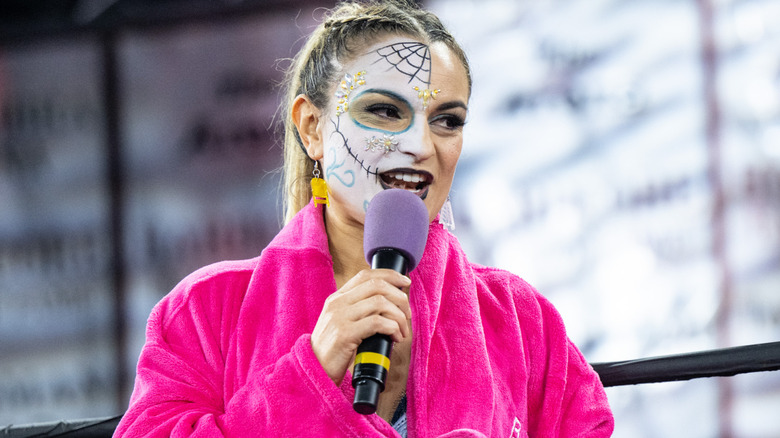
{"x": 412, "y": 180}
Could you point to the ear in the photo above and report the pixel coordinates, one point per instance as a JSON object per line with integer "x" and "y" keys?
{"x": 307, "y": 117}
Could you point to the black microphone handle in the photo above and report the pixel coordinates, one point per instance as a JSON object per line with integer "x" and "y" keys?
{"x": 389, "y": 258}
{"x": 372, "y": 362}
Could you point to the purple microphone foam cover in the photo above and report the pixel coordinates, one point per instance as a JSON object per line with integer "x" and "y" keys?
{"x": 397, "y": 219}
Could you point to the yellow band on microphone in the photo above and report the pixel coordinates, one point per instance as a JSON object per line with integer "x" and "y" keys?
{"x": 375, "y": 358}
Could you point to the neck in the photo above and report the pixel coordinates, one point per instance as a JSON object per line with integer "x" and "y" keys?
{"x": 345, "y": 242}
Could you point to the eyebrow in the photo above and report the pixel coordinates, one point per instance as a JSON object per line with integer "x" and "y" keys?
{"x": 388, "y": 93}
{"x": 452, "y": 104}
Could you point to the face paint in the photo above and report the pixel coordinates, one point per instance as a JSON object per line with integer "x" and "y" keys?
{"x": 380, "y": 133}
{"x": 385, "y": 144}
{"x": 347, "y": 85}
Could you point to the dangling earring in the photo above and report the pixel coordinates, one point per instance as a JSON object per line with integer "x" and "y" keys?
{"x": 445, "y": 215}
{"x": 319, "y": 189}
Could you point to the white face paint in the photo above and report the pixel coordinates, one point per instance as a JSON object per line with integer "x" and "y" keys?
{"x": 396, "y": 121}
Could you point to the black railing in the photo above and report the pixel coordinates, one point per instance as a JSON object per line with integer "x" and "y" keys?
{"x": 93, "y": 428}
{"x": 711, "y": 363}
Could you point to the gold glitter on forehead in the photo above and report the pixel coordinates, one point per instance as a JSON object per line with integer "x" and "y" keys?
{"x": 346, "y": 86}
{"x": 426, "y": 95}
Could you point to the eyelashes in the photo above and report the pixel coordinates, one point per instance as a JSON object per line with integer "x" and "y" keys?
{"x": 384, "y": 110}
{"x": 451, "y": 122}
{"x": 384, "y": 116}
{"x": 389, "y": 111}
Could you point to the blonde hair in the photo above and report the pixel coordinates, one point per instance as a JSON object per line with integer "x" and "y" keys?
{"x": 344, "y": 30}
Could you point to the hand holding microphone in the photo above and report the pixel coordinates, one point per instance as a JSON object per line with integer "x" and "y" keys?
{"x": 372, "y": 301}
{"x": 394, "y": 236}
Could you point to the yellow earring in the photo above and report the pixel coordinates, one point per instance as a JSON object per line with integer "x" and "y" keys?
{"x": 319, "y": 189}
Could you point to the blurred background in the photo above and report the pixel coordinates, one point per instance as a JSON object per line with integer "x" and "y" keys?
{"x": 622, "y": 156}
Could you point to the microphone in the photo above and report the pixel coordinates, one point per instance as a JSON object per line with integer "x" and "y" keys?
{"x": 394, "y": 236}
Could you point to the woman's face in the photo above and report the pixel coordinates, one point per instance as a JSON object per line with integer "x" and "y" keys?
{"x": 396, "y": 121}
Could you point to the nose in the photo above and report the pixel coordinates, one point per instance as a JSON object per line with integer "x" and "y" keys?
{"x": 418, "y": 143}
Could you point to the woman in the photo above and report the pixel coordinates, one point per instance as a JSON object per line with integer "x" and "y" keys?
{"x": 377, "y": 99}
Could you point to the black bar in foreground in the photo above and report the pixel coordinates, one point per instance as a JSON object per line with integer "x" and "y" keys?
{"x": 710, "y": 363}
{"x": 92, "y": 428}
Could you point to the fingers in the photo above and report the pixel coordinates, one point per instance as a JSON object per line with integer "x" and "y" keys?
{"x": 369, "y": 303}
{"x": 384, "y": 282}
{"x": 381, "y": 315}
{"x": 374, "y": 293}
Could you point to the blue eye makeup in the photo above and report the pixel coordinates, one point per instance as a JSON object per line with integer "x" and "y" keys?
{"x": 382, "y": 110}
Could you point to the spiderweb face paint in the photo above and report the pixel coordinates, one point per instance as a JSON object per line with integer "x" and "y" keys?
{"x": 413, "y": 60}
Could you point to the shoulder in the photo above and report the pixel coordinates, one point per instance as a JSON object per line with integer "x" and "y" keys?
{"x": 221, "y": 271}
{"x": 301, "y": 241}
{"x": 497, "y": 288}
{"x": 236, "y": 272}
{"x": 500, "y": 279}
{"x": 210, "y": 287}
{"x": 505, "y": 285}
{"x": 505, "y": 292}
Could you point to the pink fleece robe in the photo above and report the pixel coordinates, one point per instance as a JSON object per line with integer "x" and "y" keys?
{"x": 228, "y": 353}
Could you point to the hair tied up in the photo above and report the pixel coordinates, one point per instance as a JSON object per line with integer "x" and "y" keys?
{"x": 348, "y": 27}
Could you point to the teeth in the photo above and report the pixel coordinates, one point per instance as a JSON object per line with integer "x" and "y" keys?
{"x": 407, "y": 177}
